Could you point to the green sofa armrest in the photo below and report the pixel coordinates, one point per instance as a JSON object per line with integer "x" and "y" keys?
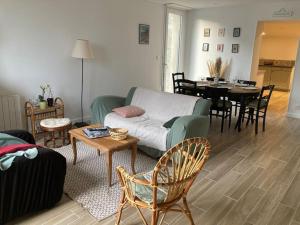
{"x": 103, "y": 105}
{"x": 187, "y": 127}
{"x": 202, "y": 107}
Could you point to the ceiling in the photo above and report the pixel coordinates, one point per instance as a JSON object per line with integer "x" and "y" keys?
{"x": 282, "y": 29}
{"x": 195, "y": 4}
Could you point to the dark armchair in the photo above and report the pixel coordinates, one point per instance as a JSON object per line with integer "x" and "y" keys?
{"x": 30, "y": 185}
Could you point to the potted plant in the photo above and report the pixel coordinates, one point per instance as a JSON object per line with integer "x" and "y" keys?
{"x": 50, "y": 99}
{"x": 42, "y": 102}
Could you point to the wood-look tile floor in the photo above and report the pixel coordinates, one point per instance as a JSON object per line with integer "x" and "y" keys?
{"x": 249, "y": 180}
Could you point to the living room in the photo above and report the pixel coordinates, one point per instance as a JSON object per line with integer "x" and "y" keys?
{"x": 245, "y": 172}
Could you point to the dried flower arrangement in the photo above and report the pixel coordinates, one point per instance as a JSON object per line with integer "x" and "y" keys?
{"x": 217, "y": 68}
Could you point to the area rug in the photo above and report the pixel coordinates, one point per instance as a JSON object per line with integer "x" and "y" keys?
{"x": 86, "y": 182}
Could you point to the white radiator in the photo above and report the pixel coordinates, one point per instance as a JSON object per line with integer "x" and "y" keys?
{"x": 10, "y": 112}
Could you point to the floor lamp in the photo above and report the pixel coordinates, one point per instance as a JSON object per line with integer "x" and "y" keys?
{"x": 82, "y": 50}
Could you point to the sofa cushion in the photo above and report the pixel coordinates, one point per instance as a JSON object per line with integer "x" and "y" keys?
{"x": 150, "y": 132}
{"x": 145, "y": 192}
{"x": 163, "y": 106}
{"x": 129, "y": 111}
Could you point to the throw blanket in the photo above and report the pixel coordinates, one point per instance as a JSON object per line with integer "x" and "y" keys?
{"x": 6, "y": 139}
{"x": 14, "y": 148}
{"x": 7, "y": 160}
{"x": 11, "y": 147}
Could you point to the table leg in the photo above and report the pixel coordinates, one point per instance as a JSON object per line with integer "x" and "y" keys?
{"x": 98, "y": 152}
{"x": 241, "y": 113}
{"x": 133, "y": 157}
{"x": 109, "y": 166}
{"x": 74, "y": 147}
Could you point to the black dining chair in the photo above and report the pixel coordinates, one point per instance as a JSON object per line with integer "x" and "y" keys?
{"x": 220, "y": 103}
{"x": 177, "y": 76}
{"x": 235, "y": 101}
{"x": 186, "y": 87}
{"x": 258, "y": 108}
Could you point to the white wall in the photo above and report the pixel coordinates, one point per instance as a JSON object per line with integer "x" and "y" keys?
{"x": 37, "y": 37}
{"x": 283, "y": 48}
{"x": 244, "y": 16}
{"x": 294, "y": 104}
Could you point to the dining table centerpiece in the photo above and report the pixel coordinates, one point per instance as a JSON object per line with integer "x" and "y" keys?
{"x": 217, "y": 69}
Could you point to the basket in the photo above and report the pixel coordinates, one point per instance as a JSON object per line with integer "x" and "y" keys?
{"x": 118, "y": 134}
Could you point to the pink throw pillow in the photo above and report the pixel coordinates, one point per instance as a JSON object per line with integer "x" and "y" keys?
{"x": 129, "y": 111}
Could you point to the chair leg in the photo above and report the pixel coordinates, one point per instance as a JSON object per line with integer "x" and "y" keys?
{"x": 264, "y": 122}
{"x": 256, "y": 123}
{"x": 122, "y": 204}
{"x": 222, "y": 126}
{"x": 210, "y": 116}
{"x": 248, "y": 119}
{"x": 250, "y": 115}
{"x": 154, "y": 217}
{"x": 252, "y": 118}
{"x": 188, "y": 211}
{"x": 230, "y": 114}
{"x": 235, "y": 110}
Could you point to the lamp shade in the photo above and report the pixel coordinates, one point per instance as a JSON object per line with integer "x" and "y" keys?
{"x": 82, "y": 49}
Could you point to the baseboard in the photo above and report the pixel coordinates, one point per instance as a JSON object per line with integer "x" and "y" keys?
{"x": 294, "y": 115}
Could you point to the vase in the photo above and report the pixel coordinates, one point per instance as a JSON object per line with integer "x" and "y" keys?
{"x": 50, "y": 102}
{"x": 216, "y": 80}
{"x": 43, "y": 104}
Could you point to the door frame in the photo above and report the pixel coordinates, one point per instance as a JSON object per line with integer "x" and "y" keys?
{"x": 182, "y": 12}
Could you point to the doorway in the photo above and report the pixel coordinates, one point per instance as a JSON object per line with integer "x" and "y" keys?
{"x": 274, "y": 58}
{"x": 174, "y": 42}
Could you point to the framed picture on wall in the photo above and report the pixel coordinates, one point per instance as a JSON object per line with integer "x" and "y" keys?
{"x": 220, "y": 47}
{"x": 235, "y": 48}
{"x": 205, "y": 47}
{"x": 236, "y": 32}
{"x": 221, "y": 32}
{"x": 144, "y": 34}
{"x": 206, "y": 32}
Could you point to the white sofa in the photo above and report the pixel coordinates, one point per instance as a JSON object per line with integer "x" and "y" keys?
{"x": 159, "y": 107}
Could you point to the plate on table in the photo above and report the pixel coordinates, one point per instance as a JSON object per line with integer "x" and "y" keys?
{"x": 222, "y": 82}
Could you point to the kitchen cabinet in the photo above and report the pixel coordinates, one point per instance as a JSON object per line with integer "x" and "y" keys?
{"x": 281, "y": 77}
{"x": 278, "y": 76}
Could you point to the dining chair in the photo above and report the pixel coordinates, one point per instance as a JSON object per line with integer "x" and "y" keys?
{"x": 220, "y": 103}
{"x": 162, "y": 189}
{"x": 176, "y": 76}
{"x": 258, "y": 108}
{"x": 186, "y": 87}
{"x": 236, "y": 101}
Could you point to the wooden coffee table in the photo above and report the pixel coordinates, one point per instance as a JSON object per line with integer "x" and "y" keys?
{"x": 106, "y": 145}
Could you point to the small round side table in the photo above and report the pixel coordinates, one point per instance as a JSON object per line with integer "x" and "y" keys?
{"x": 52, "y": 125}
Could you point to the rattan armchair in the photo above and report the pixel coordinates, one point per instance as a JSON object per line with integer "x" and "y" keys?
{"x": 162, "y": 189}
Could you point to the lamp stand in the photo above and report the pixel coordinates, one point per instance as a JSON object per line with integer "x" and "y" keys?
{"x": 81, "y": 124}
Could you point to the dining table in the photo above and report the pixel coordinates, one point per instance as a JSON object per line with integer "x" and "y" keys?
{"x": 237, "y": 92}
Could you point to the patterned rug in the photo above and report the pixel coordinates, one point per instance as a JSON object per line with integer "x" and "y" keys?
{"x": 86, "y": 182}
